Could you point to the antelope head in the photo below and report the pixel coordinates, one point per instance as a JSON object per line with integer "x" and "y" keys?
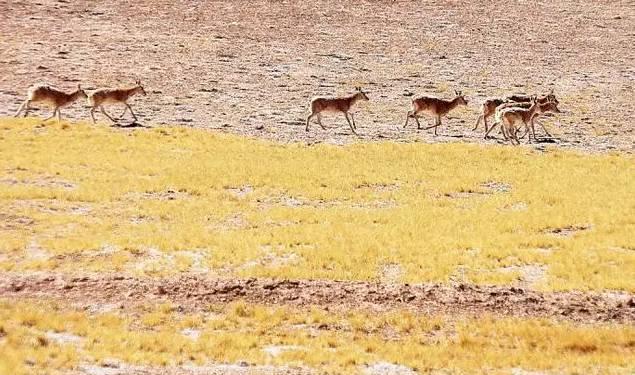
{"x": 460, "y": 98}
{"x": 551, "y": 107}
{"x": 551, "y": 97}
{"x": 138, "y": 88}
{"x": 361, "y": 94}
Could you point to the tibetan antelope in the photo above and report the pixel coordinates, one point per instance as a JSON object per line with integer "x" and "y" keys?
{"x": 99, "y": 97}
{"x": 509, "y": 117}
{"x": 548, "y": 107}
{"x": 343, "y": 105}
{"x": 435, "y": 107}
{"x": 50, "y": 96}
{"x": 488, "y": 109}
{"x": 521, "y": 98}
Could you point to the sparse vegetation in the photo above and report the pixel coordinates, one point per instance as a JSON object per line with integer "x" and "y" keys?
{"x": 171, "y": 200}
{"x": 334, "y": 341}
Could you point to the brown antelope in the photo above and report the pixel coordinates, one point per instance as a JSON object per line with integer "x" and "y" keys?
{"x": 489, "y": 106}
{"x": 548, "y": 107}
{"x": 509, "y": 117}
{"x": 103, "y": 96}
{"x": 521, "y": 98}
{"x": 50, "y": 96}
{"x": 435, "y": 107}
{"x": 343, "y": 105}
{"x": 542, "y": 108}
{"x": 487, "y": 110}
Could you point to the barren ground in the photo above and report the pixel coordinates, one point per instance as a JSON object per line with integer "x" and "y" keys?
{"x": 251, "y": 67}
{"x": 195, "y": 293}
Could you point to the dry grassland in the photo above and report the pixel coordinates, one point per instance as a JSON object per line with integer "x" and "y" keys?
{"x": 171, "y": 200}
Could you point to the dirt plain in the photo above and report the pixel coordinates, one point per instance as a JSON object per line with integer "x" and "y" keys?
{"x": 196, "y": 293}
{"x": 250, "y": 68}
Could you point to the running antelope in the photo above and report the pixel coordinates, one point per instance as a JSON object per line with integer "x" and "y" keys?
{"x": 489, "y": 105}
{"x": 50, "y": 96}
{"x": 551, "y": 107}
{"x": 343, "y": 105}
{"x": 548, "y": 107}
{"x": 509, "y": 117}
{"x": 435, "y": 107}
{"x": 103, "y": 96}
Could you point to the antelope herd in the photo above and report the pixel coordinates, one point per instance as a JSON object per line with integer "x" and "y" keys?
{"x": 509, "y": 112}
{"x": 52, "y": 97}
{"x": 512, "y": 113}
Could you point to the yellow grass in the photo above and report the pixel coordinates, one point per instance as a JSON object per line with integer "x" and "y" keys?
{"x": 336, "y": 342}
{"x": 160, "y": 201}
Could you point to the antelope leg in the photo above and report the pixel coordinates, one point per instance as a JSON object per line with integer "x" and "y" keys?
{"x": 349, "y": 122}
{"x": 106, "y": 114}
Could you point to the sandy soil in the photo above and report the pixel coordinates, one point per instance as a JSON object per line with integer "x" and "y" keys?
{"x": 250, "y": 67}
{"x": 197, "y": 293}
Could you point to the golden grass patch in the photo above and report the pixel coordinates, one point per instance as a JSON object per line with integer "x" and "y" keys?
{"x": 336, "y": 342}
{"x": 170, "y": 200}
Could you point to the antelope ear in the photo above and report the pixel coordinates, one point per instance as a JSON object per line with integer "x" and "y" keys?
{"x": 79, "y": 87}
{"x": 138, "y": 82}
